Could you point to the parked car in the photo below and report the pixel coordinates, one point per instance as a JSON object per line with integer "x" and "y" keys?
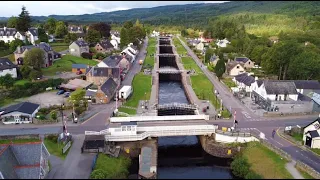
{"x": 60, "y": 92}
{"x": 79, "y": 72}
{"x": 67, "y": 94}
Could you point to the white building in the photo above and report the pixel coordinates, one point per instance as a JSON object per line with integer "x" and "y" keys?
{"x": 19, "y": 113}
{"x": 311, "y": 135}
{"x": 155, "y": 33}
{"x": 116, "y": 37}
{"x": 7, "y": 67}
{"x": 200, "y": 46}
{"x": 244, "y": 82}
{"x": 114, "y": 43}
{"x": 131, "y": 51}
{"x": 9, "y": 34}
{"x": 222, "y": 43}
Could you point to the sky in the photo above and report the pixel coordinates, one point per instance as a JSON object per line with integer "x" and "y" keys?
{"x": 45, "y": 8}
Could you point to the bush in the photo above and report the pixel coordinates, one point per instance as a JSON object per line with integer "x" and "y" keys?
{"x": 53, "y": 115}
{"x": 86, "y": 55}
{"x": 98, "y": 174}
{"x": 240, "y": 166}
{"x": 35, "y": 74}
{"x": 52, "y": 137}
{"x": 79, "y": 110}
{"x": 99, "y": 56}
{"x": 253, "y": 175}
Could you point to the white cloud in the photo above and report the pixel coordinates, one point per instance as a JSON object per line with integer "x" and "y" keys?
{"x": 45, "y": 8}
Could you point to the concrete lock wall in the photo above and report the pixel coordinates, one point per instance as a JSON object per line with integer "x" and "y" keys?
{"x": 168, "y": 61}
{"x": 231, "y": 139}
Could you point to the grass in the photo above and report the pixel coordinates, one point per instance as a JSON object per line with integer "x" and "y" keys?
{"x": 297, "y": 136}
{"x": 316, "y": 150}
{"x": 141, "y": 85}
{"x": 228, "y": 82}
{"x": 127, "y": 110}
{"x": 201, "y": 85}
{"x": 60, "y": 48}
{"x": 114, "y": 168}
{"x": 4, "y": 53}
{"x": 58, "y": 44}
{"x": 56, "y": 149}
{"x": 150, "y": 51}
{"x": 6, "y": 141}
{"x": 65, "y": 64}
{"x": 6, "y": 101}
{"x": 305, "y": 174}
{"x": 21, "y": 82}
{"x": 266, "y": 162}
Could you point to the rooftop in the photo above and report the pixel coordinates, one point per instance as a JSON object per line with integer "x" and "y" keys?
{"x": 24, "y": 107}
{"x": 5, "y": 63}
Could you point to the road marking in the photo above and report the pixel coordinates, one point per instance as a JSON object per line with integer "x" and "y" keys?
{"x": 89, "y": 119}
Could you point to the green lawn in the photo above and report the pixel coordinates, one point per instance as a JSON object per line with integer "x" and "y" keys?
{"x": 298, "y": 136}
{"x": 150, "y": 51}
{"x": 56, "y": 149}
{"x": 266, "y": 162}
{"x": 60, "y": 48}
{"x": 113, "y": 168}
{"x": 127, "y": 110}
{"x": 6, "y": 101}
{"x": 65, "y": 64}
{"x": 4, "y": 53}
{"x": 6, "y": 141}
{"x": 141, "y": 85}
{"x": 58, "y": 44}
{"x": 201, "y": 85}
{"x": 305, "y": 174}
{"x": 316, "y": 150}
{"x": 228, "y": 82}
{"x": 21, "y": 82}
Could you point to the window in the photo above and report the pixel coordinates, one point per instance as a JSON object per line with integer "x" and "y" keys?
{"x": 249, "y": 62}
{"x": 238, "y": 67}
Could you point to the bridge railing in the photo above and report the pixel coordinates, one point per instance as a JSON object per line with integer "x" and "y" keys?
{"x": 176, "y": 105}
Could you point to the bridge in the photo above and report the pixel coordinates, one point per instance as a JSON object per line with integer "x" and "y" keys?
{"x": 167, "y": 55}
{"x": 169, "y": 70}
{"x": 176, "y": 106}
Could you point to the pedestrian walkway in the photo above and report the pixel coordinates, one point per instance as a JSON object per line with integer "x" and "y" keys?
{"x": 290, "y": 166}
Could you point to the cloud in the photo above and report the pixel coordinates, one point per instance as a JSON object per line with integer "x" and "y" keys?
{"x": 45, "y": 8}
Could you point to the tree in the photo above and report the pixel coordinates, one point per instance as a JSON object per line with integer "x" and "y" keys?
{"x": 208, "y": 55}
{"x": 93, "y": 36}
{"x": 25, "y": 71}
{"x": 240, "y": 167}
{"x": 220, "y": 68}
{"x": 15, "y": 43}
{"x": 35, "y": 74}
{"x": 61, "y": 29}
{"x": 124, "y": 36}
{"x": 79, "y": 102}
{"x": 7, "y": 81}
{"x": 34, "y": 58}
{"x": 43, "y": 37}
{"x": 128, "y": 24}
{"x": 50, "y": 25}
{"x": 70, "y": 37}
{"x": 102, "y": 28}
{"x": 24, "y": 21}
{"x": 12, "y": 22}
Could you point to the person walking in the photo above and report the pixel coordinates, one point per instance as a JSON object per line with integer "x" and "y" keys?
{"x": 273, "y": 133}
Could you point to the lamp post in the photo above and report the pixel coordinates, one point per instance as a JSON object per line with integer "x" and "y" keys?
{"x": 63, "y": 126}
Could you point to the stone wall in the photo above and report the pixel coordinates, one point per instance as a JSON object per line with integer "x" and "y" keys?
{"x": 26, "y": 136}
{"x": 37, "y": 121}
{"x": 308, "y": 169}
{"x": 217, "y": 149}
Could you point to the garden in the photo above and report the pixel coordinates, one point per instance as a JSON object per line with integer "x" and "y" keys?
{"x": 55, "y": 146}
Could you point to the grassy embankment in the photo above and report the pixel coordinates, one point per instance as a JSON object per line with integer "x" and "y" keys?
{"x": 8, "y": 141}
{"x": 58, "y": 47}
{"x": 141, "y": 83}
{"x": 200, "y": 83}
{"x": 55, "y": 148}
{"x": 65, "y": 64}
{"x": 265, "y": 162}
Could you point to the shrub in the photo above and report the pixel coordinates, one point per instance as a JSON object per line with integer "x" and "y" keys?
{"x": 253, "y": 175}
{"x": 86, "y": 55}
{"x": 53, "y": 115}
{"x": 98, "y": 174}
{"x": 52, "y": 137}
{"x": 99, "y": 56}
{"x": 240, "y": 166}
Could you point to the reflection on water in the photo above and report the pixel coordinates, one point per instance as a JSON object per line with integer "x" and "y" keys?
{"x": 172, "y": 92}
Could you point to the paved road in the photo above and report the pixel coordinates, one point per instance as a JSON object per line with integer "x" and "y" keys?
{"x": 264, "y": 125}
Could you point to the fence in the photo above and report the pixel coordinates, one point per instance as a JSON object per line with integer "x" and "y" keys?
{"x": 94, "y": 161}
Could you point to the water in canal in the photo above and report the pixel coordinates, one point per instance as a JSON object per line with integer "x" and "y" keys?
{"x": 183, "y": 158}
{"x": 171, "y": 92}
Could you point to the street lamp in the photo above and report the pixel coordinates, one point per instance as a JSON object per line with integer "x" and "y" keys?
{"x": 61, "y": 110}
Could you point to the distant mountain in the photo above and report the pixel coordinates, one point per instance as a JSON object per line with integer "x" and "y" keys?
{"x": 194, "y": 13}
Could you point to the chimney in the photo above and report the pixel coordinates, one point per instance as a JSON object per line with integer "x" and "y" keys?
{"x": 256, "y": 78}
{"x": 19, "y": 49}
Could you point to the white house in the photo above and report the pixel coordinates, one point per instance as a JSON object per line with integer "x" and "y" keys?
{"x": 200, "y": 46}
{"x": 115, "y": 37}
{"x": 235, "y": 68}
{"x": 114, "y": 43}
{"x": 155, "y": 33}
{"x": 311, "y": 135}
{"x": 7, "y": 67}
{"x": 19, "y": 113}
{"x": 244, "y": 81}
{"x": 276, "y": 90}
{"x": 9, "y": 34}
{"x": 131, "y": 51}
{"x": 222, "y": 43}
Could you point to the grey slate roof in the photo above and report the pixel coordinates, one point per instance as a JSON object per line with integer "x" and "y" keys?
{"x": 44, "y": 46}
{"x": 307, "y": 84}
{"x": 32, "y": 151}
{"x": 24, "y": 107}
{"x": 241, "y": 59}
{"x": 33, "y": 31}
{"x": 259, "y": 82}
{"x": 75, "y": 28}
{"x": 313, "y": 133}
{"x": 145, "y": 163}
{"x": 7, "y": 163}
{"x": 303, "y": 97}
{"x": 5, "y": 63}
{"x": 245, "y": 79}
{"x": 279, "y": 87}
{"x": 104, "y": 71}
{"x": 28, "y": 173}
{"x": 112, "y": 61}
{"x": 80, "y": 66}
{"x": 81, "y": 43}
{"x": 109, "y": 87}
{"x": 8, "y": 31}
{"x": 90, "y": 93}
{"x": 105, "y": 44}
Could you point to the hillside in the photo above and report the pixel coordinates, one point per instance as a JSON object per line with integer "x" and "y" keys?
{"x": 194, "y": 14}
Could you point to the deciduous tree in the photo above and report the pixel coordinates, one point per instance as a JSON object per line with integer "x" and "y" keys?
{"x": 12, "y": 22}
{"x": 34, "y": 58}
{"x": 93, "y": 36}
{"x": 61, "y": 29}
{"x": 50, "y": 25}
{"x": 15, "y": 43}
{"x": 102, "y": 28}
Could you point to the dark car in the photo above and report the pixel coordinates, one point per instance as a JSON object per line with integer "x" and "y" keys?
{"x": 67, "y": 94}
{"x": 60, "y": 92}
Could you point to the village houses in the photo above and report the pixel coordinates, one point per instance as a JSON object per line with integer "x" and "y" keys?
{"x": 7, "y": 67}
{"x": 9, "y": 34}
{"x": 78, "y": 47}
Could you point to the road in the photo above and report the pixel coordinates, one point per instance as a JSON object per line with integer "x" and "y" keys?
{"x": 245, "y": 116}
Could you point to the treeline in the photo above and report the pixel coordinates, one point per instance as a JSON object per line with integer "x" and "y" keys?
{"x": 131, "y": 33}
{"x": 295, "y": 56}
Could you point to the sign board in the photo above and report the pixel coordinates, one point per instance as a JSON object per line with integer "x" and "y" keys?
{"x": 66, "y": 147}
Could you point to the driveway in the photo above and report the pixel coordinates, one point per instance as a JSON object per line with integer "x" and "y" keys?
{"x": 47, "y": 99}
{"x": 76, "y": 165}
